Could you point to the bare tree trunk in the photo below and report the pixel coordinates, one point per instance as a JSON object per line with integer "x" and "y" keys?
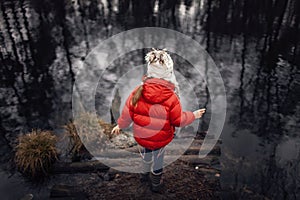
{"x": 10, "y": 74}
{"x": 9, "y": 31}
{"x": 14, "y": 44}
{"x": 26, "y": 26}
{"x": 208, "y": 25}
{"x": 82, "y": 15}
{"x": 18, "y": 27}
{"x": 280, "y": 19}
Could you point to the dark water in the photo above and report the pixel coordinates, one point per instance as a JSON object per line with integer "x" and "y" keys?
{"x": 255, "y": 44}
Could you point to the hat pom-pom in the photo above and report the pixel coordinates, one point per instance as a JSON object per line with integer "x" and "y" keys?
{"x": 150, "y": 57}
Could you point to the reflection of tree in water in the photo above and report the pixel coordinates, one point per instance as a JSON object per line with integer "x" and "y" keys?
{"x": 262, "y": 46}
{"x": 162, "y": 13}
{"x": 26, "y": 65}
{"x": 39, "y": 39}
{"x": 277, "y": 41}
{"x": 43, "y": 43}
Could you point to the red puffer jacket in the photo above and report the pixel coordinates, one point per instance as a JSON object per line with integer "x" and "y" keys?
{"x": 155, "y": 115}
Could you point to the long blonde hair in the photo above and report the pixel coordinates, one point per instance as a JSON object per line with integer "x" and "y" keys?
{"x": 137, "y": 95}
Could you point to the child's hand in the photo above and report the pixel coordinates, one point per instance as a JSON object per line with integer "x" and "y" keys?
{"x": 116, "y": 130}
{"x": 198, "y": 113}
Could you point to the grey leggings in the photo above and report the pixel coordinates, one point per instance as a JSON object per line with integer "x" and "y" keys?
{"x": 158, "y": 155}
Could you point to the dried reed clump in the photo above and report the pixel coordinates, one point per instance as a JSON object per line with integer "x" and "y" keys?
{"x": 107, "y": 128}
{"x": 87, "y": 131}
{"x": 75, "y": 144}
{"x": 36, "y": 152}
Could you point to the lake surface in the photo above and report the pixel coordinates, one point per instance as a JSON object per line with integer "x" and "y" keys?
{"x": 255, "y": 45}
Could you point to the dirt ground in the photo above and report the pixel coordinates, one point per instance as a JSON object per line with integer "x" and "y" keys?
{"x": 181, "y": 181}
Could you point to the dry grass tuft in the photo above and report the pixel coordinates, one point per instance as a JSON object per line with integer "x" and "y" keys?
{"x": 36, "y": 152}
{"x": 75, "y": 144}
{"x": 89, "y": 135}
{"x": 107, "y": 128}
{"x": 85, "y": 129}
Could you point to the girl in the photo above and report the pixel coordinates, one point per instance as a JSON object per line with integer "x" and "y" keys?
{"x": 155, "y": 110}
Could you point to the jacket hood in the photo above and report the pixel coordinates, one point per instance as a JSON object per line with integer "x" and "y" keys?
{"x": 157, "y": 90}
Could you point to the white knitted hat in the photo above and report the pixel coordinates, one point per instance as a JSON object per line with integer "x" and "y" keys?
{"x": 160, "y": 65}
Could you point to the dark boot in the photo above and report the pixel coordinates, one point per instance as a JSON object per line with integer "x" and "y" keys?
{"x": 146, "y": 167}
{"x": 144, "y": 177}
{"x": 156, "y": 182}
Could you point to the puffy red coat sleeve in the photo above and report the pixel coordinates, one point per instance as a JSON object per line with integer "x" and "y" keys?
{"x": 178, "y": 117}
{"x": 126, "y": 115}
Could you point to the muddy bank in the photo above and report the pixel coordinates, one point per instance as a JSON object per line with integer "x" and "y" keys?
{"x": 181, "y": 180}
